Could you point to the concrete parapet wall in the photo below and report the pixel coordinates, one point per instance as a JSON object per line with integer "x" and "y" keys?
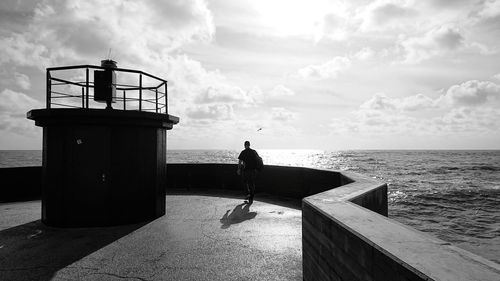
{"x": 278, "y": 180}
{"x": 347, "y": 236}
{"x": 295, "y": 182}
{"x": 20, "y": 183}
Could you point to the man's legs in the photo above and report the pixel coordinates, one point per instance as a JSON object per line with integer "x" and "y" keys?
{"x": 251, "y": 191}
{"x": 246, "y": 181}
{"x": 249, "y": 179}
{"x": 247, "y": 189}
{"x": 251, "y": 185}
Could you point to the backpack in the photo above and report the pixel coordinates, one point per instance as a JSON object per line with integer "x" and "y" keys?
{"x": 259, "y": 164}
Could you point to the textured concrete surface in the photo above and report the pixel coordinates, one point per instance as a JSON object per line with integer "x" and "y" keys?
{"x": 204, "y": 236}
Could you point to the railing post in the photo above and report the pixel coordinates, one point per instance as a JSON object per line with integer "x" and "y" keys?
{"x": 140, "y": 92}
{"x": 124, "y": 100}
{"x": 49, "y": 90}
{"x": 156, "y": 100}
{"x": 166, "y": 93}
{"x": 83, "y": 97}
{"x": 87, "y": 86}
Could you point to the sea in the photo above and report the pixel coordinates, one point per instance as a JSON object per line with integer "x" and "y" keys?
{"x": 453, "y": 195}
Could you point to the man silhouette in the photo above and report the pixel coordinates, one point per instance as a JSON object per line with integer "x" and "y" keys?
{"x": 247, "y": 168}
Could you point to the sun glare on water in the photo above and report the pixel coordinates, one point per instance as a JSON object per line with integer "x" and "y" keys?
{"x": 290, "y": 157}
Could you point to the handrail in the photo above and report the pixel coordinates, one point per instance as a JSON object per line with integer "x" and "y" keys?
{"x": 100, "y": 67}
{"x": 141, "y": 96}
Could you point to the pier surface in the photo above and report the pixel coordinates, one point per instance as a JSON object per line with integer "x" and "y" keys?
{"x": 204, "y": 236}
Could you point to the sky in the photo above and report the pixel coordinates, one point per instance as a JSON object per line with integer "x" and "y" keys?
{"x": 313, "y": 74}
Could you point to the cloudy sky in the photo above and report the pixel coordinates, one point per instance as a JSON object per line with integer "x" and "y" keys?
{"x": 312, "y": 74}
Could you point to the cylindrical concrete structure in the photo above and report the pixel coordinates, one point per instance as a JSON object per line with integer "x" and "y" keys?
{"x": 102, "y": 167}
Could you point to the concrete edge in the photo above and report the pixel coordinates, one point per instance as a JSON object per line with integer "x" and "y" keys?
{"x": 432, "y": 264}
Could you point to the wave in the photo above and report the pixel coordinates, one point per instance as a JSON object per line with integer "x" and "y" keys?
{"x": 451, "y": 169}
{"x": 486, "y": 168}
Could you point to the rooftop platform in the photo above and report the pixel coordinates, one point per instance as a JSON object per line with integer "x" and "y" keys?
{"x": 206, "y": 235}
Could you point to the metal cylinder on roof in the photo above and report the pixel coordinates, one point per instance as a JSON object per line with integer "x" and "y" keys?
{"x": 108, "y": 63}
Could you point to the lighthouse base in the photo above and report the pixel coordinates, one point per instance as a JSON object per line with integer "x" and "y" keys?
{"x": 102, "y": 167}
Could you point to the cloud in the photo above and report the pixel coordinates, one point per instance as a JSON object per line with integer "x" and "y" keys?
{"x": 202, "y": 96}
{"x": 417, "y": 102}
{"x": 256, "y": 93}
{"x": 450, "y": 3}
{"x": 281, "y": 91}
{"x": 22, "y": 80}
{"x": 19, "y": 50}
{"x": 15, "y": 15}
{"x": 282, "y": 114}
{"x": 221, "y": 81}
{"x": 386, "y": 14}
{"x": 13, "y": 109}
{"x": 465, "y": 119}
{"x": 334, "y": 25}
{"x": 471, "y": 107}
{"x": 473, "y": 93}
{"x": 491, "y": 9}
{"x": 380, "y": 101}
{"x": 382, "y": 123}
{"x": 376, "y": 122}
{"x": 482, "y": 49}
{"x": 16, "y": 103}
{"x": 73, "y": 31}
{"x": 215, "y": 96}
{"x": 224, "y": 94}
{"x": 211, "y": 112}
{"x": 435, "y": 42}
{"x": 364, "y": 54}
{"x": 191, "y": 84}
{"x": 329, "y": 69}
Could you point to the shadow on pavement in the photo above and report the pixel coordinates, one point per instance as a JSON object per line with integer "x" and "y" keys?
{"x": 34, "y": 251}
{"x": 239, "y": 214}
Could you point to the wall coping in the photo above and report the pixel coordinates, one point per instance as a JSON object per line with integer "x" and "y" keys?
{"x": 421, "y": 253}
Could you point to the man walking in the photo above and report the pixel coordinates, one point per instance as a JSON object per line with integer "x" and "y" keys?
{"x": 247, "y": 168}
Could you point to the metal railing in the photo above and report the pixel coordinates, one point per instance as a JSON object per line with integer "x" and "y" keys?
{"x": 78, "y": 91}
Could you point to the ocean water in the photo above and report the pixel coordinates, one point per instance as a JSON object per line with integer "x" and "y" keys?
{"x": 453, "y": 195}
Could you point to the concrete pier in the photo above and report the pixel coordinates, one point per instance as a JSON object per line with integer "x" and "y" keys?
{"x": 342, "y": 225}
{"x": 207, "y": 235}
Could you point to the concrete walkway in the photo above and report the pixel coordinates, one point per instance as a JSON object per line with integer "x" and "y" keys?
{"x": 204, "y": 236}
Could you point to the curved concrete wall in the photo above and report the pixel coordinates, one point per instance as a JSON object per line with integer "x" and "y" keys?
{"x": 20, "y": 183}
{"x": 346, "y": 234}
{"x": 23, "y": 183}
{"x": 278, "y": 180}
